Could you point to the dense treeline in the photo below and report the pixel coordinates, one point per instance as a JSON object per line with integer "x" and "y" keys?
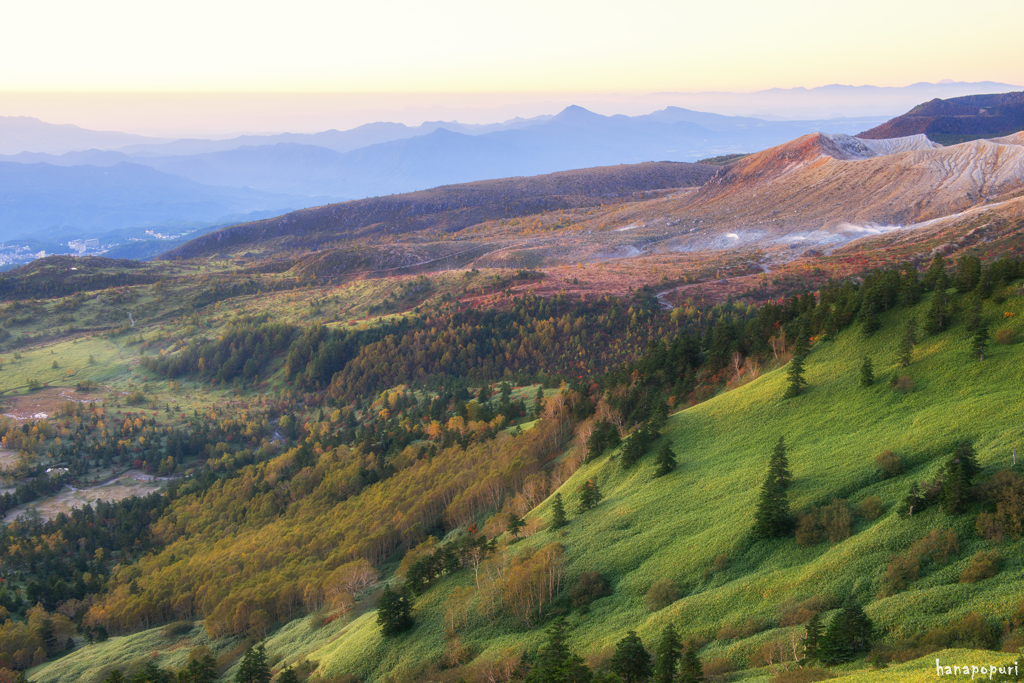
{"x": 29, "y": 491}
{"x": 243, "y": 350}
{"x": 538, "y": 339}
{"x": 53, "y": 277}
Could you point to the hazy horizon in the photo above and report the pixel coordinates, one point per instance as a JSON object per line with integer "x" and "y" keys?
{"x": 171, "y": 115}
{"x": 229, "y": 68}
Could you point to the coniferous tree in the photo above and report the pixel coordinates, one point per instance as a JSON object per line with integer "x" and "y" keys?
{"x": 199, "y": 670}
{"x": 979, "y": 341}
{"x": 869, "y": 318}
{"x": 394, "y": 613}
{"x": 957, "y": 478}
{"x": 670, "y": 652}
{"x": 936, "y": 277}
{"x": 556, "y": 663}
{"x": 590, "y": 495}
{"x": 515, "y": 524}
{"x": 772, "y": 517}
{"x": 907, "y": 342}
{"x": 867, "y": 372}
{"x": 558, "y": 518}
{"x": 151, "y": 673}
{"x": 848, "y": 634}
{"x": 690, "y": 669}
{"x": 288, "y": 676}
{"x": 812, "y": 639}
{"x": 935, "y": 318}
{"x": 795, "y": 370}
{"x": 631, "y": 660}
{"x": 973, "y": 313}
{"x": 778, "y": 464}
{"x": 538, "y": 402}
{"x": 254, "y": 667}
{"x": 666, "y": 460}
{"x": 795, "y": 375}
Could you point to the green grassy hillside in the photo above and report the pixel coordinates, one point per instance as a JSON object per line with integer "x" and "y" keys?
{"x": 674, "y": 528}
{"x": 692, "y": 527}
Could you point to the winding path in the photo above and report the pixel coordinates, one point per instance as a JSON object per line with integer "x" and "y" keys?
{"x": 130, "y": 318}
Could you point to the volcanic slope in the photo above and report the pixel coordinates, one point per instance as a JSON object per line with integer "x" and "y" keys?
{"x": 957, "y": 119}
{"x": 826, "y": 190}
{"x": 446, "y": 209}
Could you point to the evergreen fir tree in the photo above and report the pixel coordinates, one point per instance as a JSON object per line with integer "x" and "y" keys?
{"x": 972, "y": 313}
{"x": 669, "y": 655}
{"x": 558, "y": 518}
{"x": 690, "y": 669}
{"x": 936, "y": 277}
{"x": 957, "y": 478}
{"x": 394, "y": 613}
{"x": 979, "y": 341}
{"x": 254, "y": 667}
{"x": 538, "y": 402}
{"x": 965, "y": 453}
{"x": 772, "y": 517}
{"x": 515, "y": 524}
{"x": 867, "y": 372}
{"x": 590, "y": 495}
{"x": 200, "y": 670}
{"x": 955, "y": 488}
{"x": 935, "y": 318}
{"x": 631, "y": 660}
{"x": 288, "y": 676}
{"x": 848, "y": 634}
{"x": 556, "y": 663}
{"x": 907, "y": 342}
{"x": 795, "y": 374}
{"x": 869, "y": 319}
{"x": 778, "y": 464}
{"x": 811, "y": 639}
{"x": 151, "y": 673}
{"x": 666, "y": 460}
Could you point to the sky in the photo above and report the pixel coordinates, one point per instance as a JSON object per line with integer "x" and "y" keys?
{"x": 411, "y": 57}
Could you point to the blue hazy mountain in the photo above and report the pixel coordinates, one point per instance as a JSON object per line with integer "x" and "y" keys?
{"x": 42, "y": 199}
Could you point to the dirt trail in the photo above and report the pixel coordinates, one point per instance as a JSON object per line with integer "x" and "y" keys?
{"x": 103, "y": 303}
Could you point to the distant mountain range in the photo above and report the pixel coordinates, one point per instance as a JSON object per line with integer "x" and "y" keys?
{"x": 24, "y": 133}
{"x": 403, "y": 159}
{"x": 128, "y": 181}
{"x": 956, "y": 120}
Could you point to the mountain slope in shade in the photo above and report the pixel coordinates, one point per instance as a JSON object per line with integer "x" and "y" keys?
{"x": 958, "y": 119}
{"x": 446, "y": 209}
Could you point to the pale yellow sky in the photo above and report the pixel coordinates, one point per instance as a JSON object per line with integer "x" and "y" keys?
{"x": 530, "y": 46}
{"x": 525, "y": 46}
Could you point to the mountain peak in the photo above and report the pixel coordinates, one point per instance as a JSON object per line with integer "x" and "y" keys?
{"x": 574, "y": 112}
